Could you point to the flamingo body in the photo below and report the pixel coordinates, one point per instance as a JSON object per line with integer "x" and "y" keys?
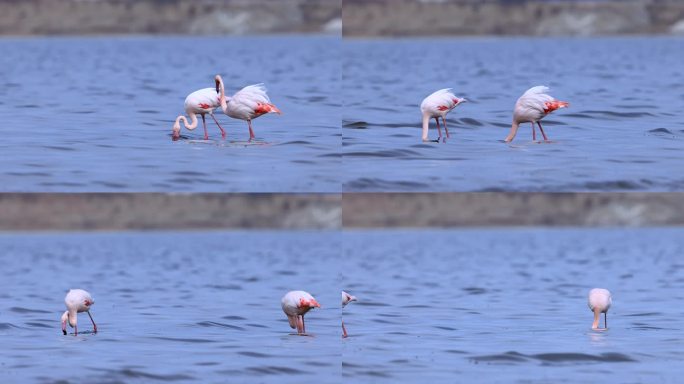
{"x": 532, "y": 107}
{"x": 246, "y": 104}
{"x": 77, "y": 301}
{"x": 437, "y": 105}
{"x": 346, "y": 299}
{"x": 200, "y": 102}
{"x": 600, "y": 301}
{"x": 296, "y": 304}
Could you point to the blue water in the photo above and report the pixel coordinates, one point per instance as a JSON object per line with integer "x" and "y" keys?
{"x": 510, "y": 305}
{"x": 624, "y": 129}
{"x": 95, "y": 114}
{"x": 170, "y": 306}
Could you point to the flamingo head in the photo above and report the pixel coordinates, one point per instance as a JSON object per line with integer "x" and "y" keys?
{"x": 311, "y": 303}
{"x": 218, "y": 80}
{"x": 175, "y": 131}
{"x": 347, "y": 298}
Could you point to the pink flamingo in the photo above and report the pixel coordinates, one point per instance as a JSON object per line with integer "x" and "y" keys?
{"x": 77, "y": 301}
{"x": 600, "y": 301}
{"x": 202, "y": 102}
{"x": 247, "y": 104}
{"x": 346, "y": 299}
{"x": 531, "y": 107}
{"x": 438, "y": 105}
{"x": 295, "y": 305}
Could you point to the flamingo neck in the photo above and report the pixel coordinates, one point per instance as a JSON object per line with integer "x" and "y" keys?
{"x": 193, "y": 121}
{"x": 597, "y": 316}
{"x": 426, "y": 125}
{"x": 514, "y": 131}
{"x": 222, "y": 94}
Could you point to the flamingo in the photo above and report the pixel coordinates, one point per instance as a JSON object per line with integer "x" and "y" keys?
{"x": 295, "y": 305}
{"x": 438, "y": 105}
{"x": 202, "y": 102}
{"x": 531, "y": 107}
{"x": 599, "y": 302}
{"x": 247, "y": 104}
{"x": 346, "y": 299}
{"x": 77, "y": 301}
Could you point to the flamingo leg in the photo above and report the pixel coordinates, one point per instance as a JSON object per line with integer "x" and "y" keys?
{"x": 64, "y": 328}
{"x": 303, "y": 326}
{"x": 251, "y": 132}
{"x": 223, "y": 133}
{"x": 445, "y": 127}
{"x": 91, "y": 319}
{"x": 76, "y": 331}
{"x": 542, "y": 131}
{"x": 534, "y": 133}
{"x": 605, "y": 319}
{"x": 206, "y": 135}
{"x": 439, "y": 129}
{"x": 344, "y": 331}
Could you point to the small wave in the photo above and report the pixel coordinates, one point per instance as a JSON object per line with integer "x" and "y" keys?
{"x": 469, "y": 121}
{"x": 646, "y": 314}
{"x": 254, "y": 354}
{"x": 619, "y": 114}
{"x": 355, "y": 125}
{"x": 183, "y": 340}
{"x": 475, "y": 290}
{"x": 233, "y": 318}
{"x": 275, "y": 370}
{"x": 221, "y": 325}
{"x": 366, "y": 183}
{"x": 4, "y": 326}
{"x": 36, "y": 325}
{"x": 27, "y": 310}
{"x": 568, "y": 357}
{"x": 393, "y": 153}
{"x": 572, "y": 357}
{"x": 144, "y": 375}
{"x": 225, "y": 287}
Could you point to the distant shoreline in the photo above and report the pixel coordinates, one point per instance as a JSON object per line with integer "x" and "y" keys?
{"x": 404, "y": 18}
{"x": 159, "y": 17}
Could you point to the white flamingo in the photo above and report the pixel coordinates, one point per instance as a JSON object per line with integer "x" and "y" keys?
{"x": 246, "y": 104}
{"x": 295, "y": 305}
{"x": 531, "y": 107}
{"x": 346, "y": 299}
{"x": 600, "y": 301}
{"x": 438, "y": 105}
{"x": 77, "y": 301}
{"x": 200, "y": 102}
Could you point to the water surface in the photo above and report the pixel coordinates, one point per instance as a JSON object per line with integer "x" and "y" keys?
{"x": 170, "y": 306}
{"x": 624, "y": 129}
{"x": 95, "y": 114}
{"x": 510, "y": 305}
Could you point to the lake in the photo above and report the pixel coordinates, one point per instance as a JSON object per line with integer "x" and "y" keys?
{"x": 95, "y": 114}
{"x": 510, "y": 305}
{"x": 170, "y": 307}
{"x": 623, "y": 131}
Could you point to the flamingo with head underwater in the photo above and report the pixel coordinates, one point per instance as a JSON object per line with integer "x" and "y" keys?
{"x": 531, "y": 107}
{"x": 77, "y": 301}
{"x": 200, "y": 102}
{"x": 246, "y": 104}
{"x": 600, "y": 301}
{"x": 346, "y": 299}
{"x": 438, "y": 105}
{"x": 296, "y": 304}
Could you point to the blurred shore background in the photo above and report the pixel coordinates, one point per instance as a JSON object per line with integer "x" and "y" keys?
{"x": 394, "y": 18}
{"x": 159, "y": 211}
{"x": 195, "y": 17}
